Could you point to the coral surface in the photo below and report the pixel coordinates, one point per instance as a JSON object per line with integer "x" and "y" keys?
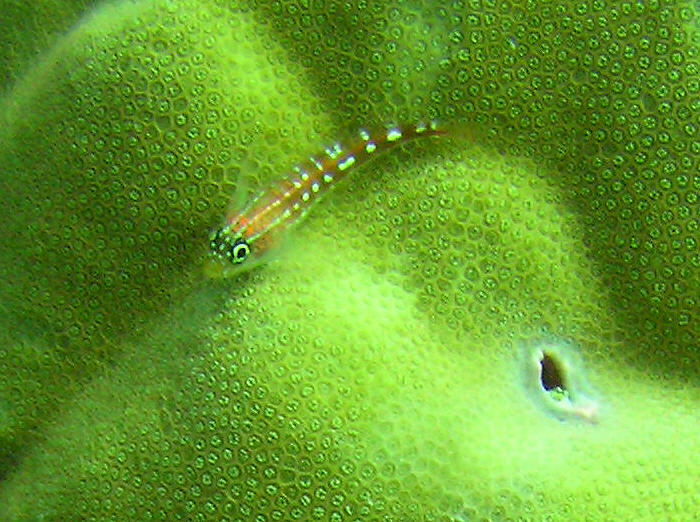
{"x": 373, "y": 370}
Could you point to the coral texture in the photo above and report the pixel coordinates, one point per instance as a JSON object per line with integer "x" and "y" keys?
{"x": 373, "y": 370}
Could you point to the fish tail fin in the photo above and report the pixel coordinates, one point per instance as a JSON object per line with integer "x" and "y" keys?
{"x": 462, "y": 129}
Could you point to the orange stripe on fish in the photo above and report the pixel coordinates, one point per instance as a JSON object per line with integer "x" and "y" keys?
{"x": 250, "y": 233}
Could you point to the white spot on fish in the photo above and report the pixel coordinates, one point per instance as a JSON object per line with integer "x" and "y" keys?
{"x": 315, "y": 186}
{"x": 421, "y": 128}
{"x": 305, "y": 196}
{"x": 304, "y": 176}
{"x": 296, "y": 183}
{"x": 327, "y": 177}
{"x": 346, "y": 163}
{"x": 334, "y": 151}
{"x": 296, "y": 206}
{"x": 318, "y": 164}
{"x": 393, "y": 134}
{"x": 364, "y": 135}
{"x": 370, "y": 147}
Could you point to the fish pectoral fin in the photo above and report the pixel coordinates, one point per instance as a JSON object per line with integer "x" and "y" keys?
{"x": 221, "y": 269}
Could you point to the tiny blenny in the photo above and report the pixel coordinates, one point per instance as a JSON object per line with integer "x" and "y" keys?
{"x": 250, "y": 233}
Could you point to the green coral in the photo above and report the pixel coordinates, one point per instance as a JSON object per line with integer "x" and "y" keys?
{"x": 29, "y": 29}
{"x": 371, "y": 371}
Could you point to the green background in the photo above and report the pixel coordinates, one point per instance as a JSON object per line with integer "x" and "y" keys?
{"x": 372, "y": 371}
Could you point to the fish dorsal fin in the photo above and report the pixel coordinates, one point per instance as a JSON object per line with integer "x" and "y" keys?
{"x": 241, "y": 197}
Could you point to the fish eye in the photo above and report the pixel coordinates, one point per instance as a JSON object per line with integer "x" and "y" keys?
{"x": 239, "y": 251}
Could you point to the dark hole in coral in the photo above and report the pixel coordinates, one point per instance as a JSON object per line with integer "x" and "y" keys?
{"x": 550, "y": 376}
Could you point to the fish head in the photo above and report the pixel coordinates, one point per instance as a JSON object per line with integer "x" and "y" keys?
{"x": 231, "y": 252}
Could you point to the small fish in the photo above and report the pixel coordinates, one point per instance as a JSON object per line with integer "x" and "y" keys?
{"x": 249, "y": 234}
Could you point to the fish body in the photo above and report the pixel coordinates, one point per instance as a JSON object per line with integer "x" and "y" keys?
{"x": 251, "y": 232}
